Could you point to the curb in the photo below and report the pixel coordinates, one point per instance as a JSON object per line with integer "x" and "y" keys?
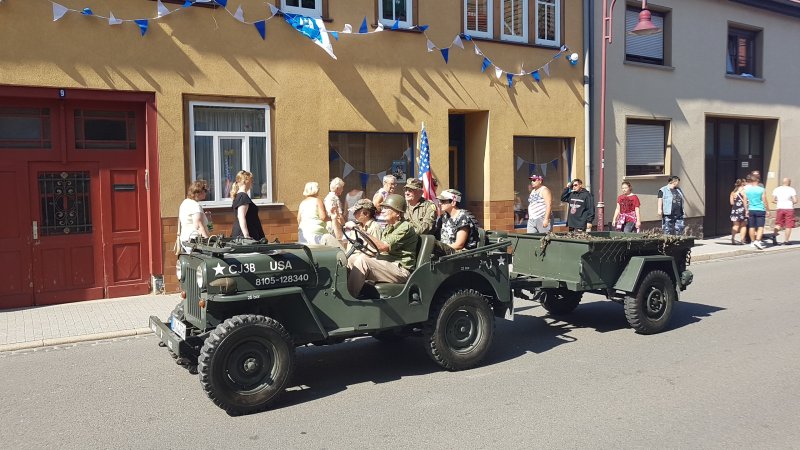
{"x": 73, "y": 339}
{"x": 742, "y": 252}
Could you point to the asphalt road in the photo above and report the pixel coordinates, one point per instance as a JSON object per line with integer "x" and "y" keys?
{"x": 725, "y": 376}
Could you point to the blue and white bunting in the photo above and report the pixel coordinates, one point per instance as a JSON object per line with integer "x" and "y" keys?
{"x": 142, "y": 23}
{"x": 312, "y": 28}
{"x": 162, "y": 10}
{"x": 486, "y": 63}
{"x": 445, "y": 53}
{"x": 239, "y": 14}
{"x": 363, "y": 29}
{"x": 457, "y": 42}
{"x": 261, "y": 26}
{"x": 113, "y": 20}
{"x": 59, "y": 11}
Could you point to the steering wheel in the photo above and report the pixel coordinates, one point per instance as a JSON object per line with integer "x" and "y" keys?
{"x": 361, "y": 242}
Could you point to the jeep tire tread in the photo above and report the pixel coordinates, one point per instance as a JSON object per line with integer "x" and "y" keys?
{"x": 560, "y": 301}
{"x": 246, "y": 363}
{"x": 460, "y": 330}
{"x": 651, "y": 308}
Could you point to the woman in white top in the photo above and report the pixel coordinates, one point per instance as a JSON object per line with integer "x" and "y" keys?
{"x": 311, "y": 218}
{"x": 192, "y": 219}
{"x": 333, "y": 206}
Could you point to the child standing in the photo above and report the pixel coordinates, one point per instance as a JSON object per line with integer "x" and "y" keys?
{"x": 626, "y": 216}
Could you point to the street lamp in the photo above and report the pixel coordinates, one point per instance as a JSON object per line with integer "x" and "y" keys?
{"x": 645, "y": 27}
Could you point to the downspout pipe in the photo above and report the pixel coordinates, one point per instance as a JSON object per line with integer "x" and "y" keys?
{"x": 588, "y": 53}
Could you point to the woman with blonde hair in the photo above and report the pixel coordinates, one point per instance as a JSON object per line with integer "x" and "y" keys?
{"x": 192, "y": 219}
{"x": 311, "y": 218}
{"x": 247, "y": 224}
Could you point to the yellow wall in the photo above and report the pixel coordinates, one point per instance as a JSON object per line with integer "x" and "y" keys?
{"x": 385, "y": 82}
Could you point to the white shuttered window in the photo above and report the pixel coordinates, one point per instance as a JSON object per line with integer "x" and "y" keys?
{"x": 647, "y": 49}
{"x": 646, "y": 148}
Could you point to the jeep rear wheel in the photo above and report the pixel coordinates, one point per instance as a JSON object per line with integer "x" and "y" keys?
{"x": 649, "y": 312}
{"x": 461, "y": 331}
{"x": 560, "y": 301}
{"x": 246, "y": 363}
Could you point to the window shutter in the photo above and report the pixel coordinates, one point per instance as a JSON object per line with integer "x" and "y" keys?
{"x": 644, "y": 46}
{"x": 645, "y": 144}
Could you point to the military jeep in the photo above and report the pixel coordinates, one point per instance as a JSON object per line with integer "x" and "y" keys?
{"x": 246, "y": 306}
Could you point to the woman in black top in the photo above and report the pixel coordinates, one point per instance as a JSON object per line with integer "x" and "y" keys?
{"x": 247, "y": 224}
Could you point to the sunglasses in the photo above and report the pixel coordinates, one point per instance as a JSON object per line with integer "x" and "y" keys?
{"x": 446, "y": 202}
{"x": 576, "y": 184}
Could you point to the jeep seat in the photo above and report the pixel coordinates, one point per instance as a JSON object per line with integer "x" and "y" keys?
{"x": 424, "y": 254}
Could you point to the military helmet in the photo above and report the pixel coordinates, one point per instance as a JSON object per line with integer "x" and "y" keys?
{"x": 396, "y": 202}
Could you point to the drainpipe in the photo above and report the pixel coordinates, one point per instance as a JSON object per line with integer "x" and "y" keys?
{"x": 588, "y": 129}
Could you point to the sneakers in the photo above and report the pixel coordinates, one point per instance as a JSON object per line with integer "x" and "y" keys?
{"x": 758, "y": 244}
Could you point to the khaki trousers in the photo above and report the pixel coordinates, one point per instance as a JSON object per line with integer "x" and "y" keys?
{"x": 363, "y": 267}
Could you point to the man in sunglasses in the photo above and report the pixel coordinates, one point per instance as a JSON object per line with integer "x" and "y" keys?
{"x": 581, "y": 206}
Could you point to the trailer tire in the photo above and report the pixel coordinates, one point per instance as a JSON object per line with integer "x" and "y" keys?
{"x": 650, "y": 310}
{"x": 560, "y": 301}
{"x": 460, "y": 330}
{"x": 246, "y": 363}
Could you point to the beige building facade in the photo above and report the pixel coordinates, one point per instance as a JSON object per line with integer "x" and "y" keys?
{"x": 709, "y": 99}
{"x": 132, "y": 119}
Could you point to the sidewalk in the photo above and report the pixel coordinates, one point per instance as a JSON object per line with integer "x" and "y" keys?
{"x": 46, "y": 326}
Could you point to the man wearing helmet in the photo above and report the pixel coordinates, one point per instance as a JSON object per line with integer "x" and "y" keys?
{"x": 397, "y": 247}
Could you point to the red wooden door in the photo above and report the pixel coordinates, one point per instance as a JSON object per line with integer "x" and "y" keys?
{"x": 67, "y": 251}
{"x": 16, "y": 278}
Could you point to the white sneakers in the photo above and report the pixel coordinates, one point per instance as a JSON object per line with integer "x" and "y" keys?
{"x": 757, "y": 244}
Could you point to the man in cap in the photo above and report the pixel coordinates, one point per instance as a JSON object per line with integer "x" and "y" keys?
{"x": 540, "y": 206}
{"x": 420, "y": 212}
{"x": 364, "y": 214}
{"x": 459, "y": 228}
{"x": 397, "y": 247}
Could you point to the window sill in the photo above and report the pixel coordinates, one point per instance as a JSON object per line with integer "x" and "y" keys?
{"x": 645, "y": 177}
{"x": 227, "y": 204}
{"x": 522, "y": 44}
{"x": 739, "y": 77}
{"x": 389, "y": 28}
{"x": 649, "y": 65}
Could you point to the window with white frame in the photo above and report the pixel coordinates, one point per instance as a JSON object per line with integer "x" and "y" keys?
{"x": 226, "y": 138}
{"x": 312, "y": 8}
{"x": 646, "y": 147}
{"x": 548, "y": 22}
{"x": 391, "y": 11}
{"x": 478, "y": 18}
{"x": 514, "y": 20}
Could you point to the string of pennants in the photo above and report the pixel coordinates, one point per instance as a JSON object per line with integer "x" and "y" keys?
{"x": 532, "y": 167}
{"x": 315, "y": 30}
{"x": 364, "y": 176}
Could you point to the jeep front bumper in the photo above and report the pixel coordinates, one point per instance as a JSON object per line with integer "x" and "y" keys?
{"x": 173, "y": 342}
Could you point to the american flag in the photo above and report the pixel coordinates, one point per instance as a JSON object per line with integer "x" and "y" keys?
{"x": 425, "y": 166}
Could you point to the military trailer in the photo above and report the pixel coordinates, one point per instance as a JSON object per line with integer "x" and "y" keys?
{"x": 644, "y": 272}
{"x": 246, "y": 306}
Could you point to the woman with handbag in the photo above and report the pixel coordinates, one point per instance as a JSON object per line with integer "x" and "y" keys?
{"x": 192, "y": 219}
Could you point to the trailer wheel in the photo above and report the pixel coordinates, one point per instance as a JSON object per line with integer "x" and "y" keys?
{"x": 560, "y": 301}
{"x": 650, "y": 310}
{"x": 246, "y": 363}
{"x": 461, "y": 330}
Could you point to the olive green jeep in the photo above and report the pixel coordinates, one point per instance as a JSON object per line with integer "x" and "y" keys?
{"x": 246, "y": 306}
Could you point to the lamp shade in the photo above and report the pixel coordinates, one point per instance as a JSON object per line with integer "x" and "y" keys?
{"x": 645, "y": 27}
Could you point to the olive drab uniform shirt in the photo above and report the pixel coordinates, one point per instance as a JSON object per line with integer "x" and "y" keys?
{"x": 402, "y": 241}
{"x": 422, "y": 216}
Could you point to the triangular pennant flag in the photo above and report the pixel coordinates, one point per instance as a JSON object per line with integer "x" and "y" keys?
{"x": 142, "y": 25}
{"x": 486, "y": 63}
{"x": 423, "y": 28}
{"x": 477, "y": 50}
{"x": 188, "y": 3}
{"x": 379, "y": 27}
{"x": 113, "y": 20}
{"x": 364, "y": 178}
{"x": 555, "y": 164}
{"x": 347, "y": 169}
{"x": 498, "y": 72}
{"x": 396, "y": 25}
{"x": 510, "y": 79}
{"x": 363, "y": 28}
{"x": 409, "y": 153}
{"x": 87, "y": 12}
{"x": 543, "y": 169}
{"x": 333, "y": 155}
{"x": 536, "y": 76}
{"x": 261, "y": 26}
{"x": 335, "y": 35}
{"x": 380, "y": 175}
{"x": 312, "y": 28}
{"x": 273, "y": 9}
{"x": 347, "y": 29}
{"x": 546, "y": 69}
{"x": 223, "y": 3}
{"x": 239, "y": 14}
{"x": 59, "y": 11}
{"x": 445, "y": 52}
{"x": 457, "y": 42}
{"x": 431, "y": 45}
{"x": 520, "y": 162}
{"x": 531, "y": 168}
{"x": 564, "y": 48}
{"x": 467, "y": 37}
{"x": 162, "y": 10}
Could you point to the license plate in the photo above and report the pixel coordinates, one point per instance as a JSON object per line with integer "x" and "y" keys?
{"x": 178, "y": 327}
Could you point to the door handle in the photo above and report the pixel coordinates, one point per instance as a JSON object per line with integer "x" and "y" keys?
{"x": 35, "y": 230}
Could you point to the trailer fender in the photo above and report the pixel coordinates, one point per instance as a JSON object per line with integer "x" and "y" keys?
{"x": 639, "y": 266}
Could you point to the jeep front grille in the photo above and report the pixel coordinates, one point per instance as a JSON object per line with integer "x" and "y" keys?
{"x": 192, "y": 293}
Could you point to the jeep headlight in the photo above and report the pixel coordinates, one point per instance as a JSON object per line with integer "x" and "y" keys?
{"x": 179, "y": 270}
{"x": 201, "y": 276}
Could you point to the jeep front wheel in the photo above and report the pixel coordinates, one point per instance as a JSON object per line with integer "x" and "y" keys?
{"x": 461, "y": 332}
{"x": 649, "y": 312}
{"x": 246, "y": 363}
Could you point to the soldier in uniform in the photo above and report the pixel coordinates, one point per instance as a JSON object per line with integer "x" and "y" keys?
{"x": 397, "y": 247}
{"x": 420, "y": 212}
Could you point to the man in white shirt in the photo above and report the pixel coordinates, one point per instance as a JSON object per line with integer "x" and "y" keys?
{"x": 785, "y": 197}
